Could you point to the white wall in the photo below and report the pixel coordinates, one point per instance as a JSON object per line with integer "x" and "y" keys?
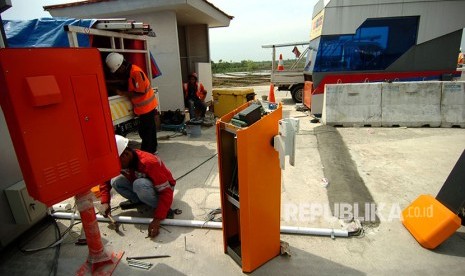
{"x": 165, "y": 49}
{"x": 204, "y": 70}
{"x": 10, "y": 174}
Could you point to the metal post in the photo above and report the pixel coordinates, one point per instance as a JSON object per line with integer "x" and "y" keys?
{"x": 3, "y": 41}
{"x": 273, "y": 63}
{"x": 99, "y": 262}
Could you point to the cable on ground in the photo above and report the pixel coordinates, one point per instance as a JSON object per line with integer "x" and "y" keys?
{"x": 196, "y": 167}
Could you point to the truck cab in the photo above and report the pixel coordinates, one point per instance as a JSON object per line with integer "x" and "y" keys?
{"x": 384, "y": 41}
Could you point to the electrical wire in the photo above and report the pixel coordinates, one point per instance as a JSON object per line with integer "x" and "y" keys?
{"x": 69, "y": 229}
{"x": 359, "y": 233}
{"x": 176, "y": 134}
{"x": 58, "y": 236}
{"x": 55, "y": 243}
{"x": 196, "y": 167}
{"x": 59, "y": 239}
{"x": 211, "y": 216}
{"x": 37, "y": 231}
{"x": 54, "y": 269}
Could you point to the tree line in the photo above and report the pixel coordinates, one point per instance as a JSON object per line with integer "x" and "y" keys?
{"x": 247, "y": 66}
{"x": 239, "y": 66}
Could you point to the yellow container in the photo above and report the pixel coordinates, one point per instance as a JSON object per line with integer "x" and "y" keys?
{"x": 227, "y": 99}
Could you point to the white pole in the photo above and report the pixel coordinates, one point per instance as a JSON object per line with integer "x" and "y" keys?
{"x": 314, "y": 231}
{"x": 210, "y": 224}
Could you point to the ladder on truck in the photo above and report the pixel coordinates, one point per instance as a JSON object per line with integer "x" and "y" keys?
{"x": 290, "y": 79}
{"x": 291, "y": 75}
{"x": 118, "y": 31}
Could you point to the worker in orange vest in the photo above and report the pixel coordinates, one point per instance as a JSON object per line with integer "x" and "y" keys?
{"x": 142, "y": 96}
{"x": 194, "y": 97}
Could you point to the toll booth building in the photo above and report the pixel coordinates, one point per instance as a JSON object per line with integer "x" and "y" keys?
{"x": 181, "y": 44}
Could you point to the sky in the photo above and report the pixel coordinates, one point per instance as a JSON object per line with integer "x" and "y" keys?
{"x": 255, "y": 23}
{"x": 258, "y": 23}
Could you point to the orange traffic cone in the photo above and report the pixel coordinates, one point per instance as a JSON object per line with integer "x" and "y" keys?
{"x": 271, "y": 98}
{"x": 280, "y": 63}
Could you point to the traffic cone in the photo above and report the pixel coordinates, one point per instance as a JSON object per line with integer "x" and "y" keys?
{"x": 271, "y": 98}
{"x": 280, "y": 63}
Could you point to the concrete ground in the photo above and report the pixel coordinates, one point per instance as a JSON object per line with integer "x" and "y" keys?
{"x": 386, "y": 167}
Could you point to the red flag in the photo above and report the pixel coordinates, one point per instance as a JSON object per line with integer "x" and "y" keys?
{"x": 154, "y": 67}
{"x": 296, "y": 52}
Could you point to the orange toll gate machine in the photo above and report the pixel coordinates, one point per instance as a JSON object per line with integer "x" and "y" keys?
{"x": 251, "y": 144}
{"x": 56, "y": 107}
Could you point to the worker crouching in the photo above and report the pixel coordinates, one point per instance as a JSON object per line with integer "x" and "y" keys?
{"x": 145, "y": 180}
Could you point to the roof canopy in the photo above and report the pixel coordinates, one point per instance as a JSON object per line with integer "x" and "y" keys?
{"x": 188, "y": 12}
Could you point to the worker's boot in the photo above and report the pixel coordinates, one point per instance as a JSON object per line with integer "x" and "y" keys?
{"x": 129, "y": 205}
{"x": 170, "y": 214}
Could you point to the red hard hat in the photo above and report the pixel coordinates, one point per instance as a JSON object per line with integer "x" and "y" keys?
{"x": 194, "y": 75}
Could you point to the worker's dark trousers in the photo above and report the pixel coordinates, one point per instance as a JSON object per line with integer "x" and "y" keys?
{"x": 194, "y": 104}
{"x": 148, "y": 132}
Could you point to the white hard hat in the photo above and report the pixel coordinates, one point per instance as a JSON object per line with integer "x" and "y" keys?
{"x": 121, "y": 143}
{"x": 114, "y": 61}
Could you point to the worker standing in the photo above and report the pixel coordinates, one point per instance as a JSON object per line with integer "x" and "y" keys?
{"x": 194, "y": 97}
{"x": 142, "y": 96}
{"x": 144, "y": 180}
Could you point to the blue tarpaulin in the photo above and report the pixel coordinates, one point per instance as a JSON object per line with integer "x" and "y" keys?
{"x": 50, "y": 32}
{"x": 44, "y": 32}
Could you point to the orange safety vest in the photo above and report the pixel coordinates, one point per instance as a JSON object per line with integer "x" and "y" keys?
{"x": 143, "y": 99}
{"x": 201, "y": 93}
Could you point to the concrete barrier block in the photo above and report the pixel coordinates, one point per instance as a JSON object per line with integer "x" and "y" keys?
{"x": 453, "y": 104}
{"x": 356, "y": 104}
{"x": 317, "y": 104}
{"x": 411, "y": 104}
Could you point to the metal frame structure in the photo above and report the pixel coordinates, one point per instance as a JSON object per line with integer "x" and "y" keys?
{"x": 73, "y": 41}
{"x": 118, "y": 104}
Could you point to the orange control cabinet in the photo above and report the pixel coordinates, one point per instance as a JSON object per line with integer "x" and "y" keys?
{"x": 250, "y": 185}
{"x": 56, "y": 107}
{"x": 308, "y": 88}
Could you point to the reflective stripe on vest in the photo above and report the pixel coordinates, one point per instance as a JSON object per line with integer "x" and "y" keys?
{"x": 163, "y": 186}
{"x": 143, "y": 102}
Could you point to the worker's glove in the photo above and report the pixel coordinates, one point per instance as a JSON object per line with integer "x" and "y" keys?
{"x": 106, "y": 209}
{"x": 154, "y": 228}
